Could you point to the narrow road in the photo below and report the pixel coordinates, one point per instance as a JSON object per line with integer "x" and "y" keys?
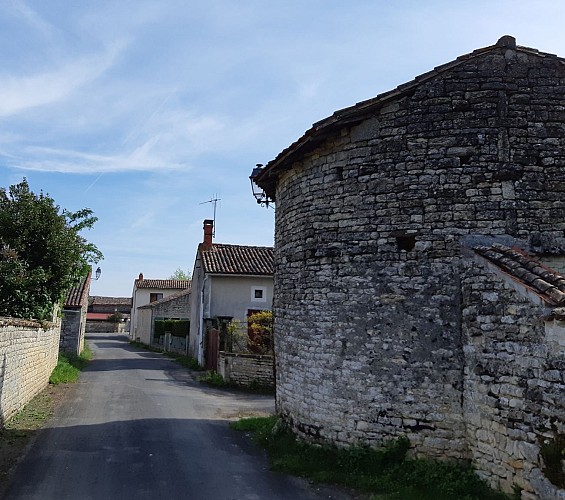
{"x": 137, "y": 426}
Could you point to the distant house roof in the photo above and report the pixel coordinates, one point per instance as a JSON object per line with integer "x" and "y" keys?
{"x": 166, "y": 299}
{"x": 109, "y": 301}
{"x": 78, "y": 294}
{"x": 546, "y": 283}
{"x": 237, "y": 259}
{"x": 97, "y": 316}
{"x": 170, "y": 284}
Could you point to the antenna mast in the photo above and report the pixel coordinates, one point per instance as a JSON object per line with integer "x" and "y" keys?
{"x": 215, "y": 201}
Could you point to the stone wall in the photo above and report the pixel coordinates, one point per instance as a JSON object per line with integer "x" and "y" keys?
{"x": 369, "y": 226}
{"x": 28, "y": 355}
{"x": 177, "y": 308}
{"x": 246, "y": 369}
{"x": 73, "y": 328}
{"x": 514, "y": 381}
{"x": 106, "y": 326}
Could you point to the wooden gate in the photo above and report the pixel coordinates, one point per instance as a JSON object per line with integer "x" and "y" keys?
{"x": 212, "y": 349}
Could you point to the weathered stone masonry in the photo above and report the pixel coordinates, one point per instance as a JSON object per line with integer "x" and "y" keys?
{"x": 28, "y": 355}
{"x": 376, "y": 306}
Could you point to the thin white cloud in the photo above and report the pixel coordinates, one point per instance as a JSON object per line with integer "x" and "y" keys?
{"x": 33, "y": 19}
{"x": 19, "y": 93}
{"x": 69, "y": 161}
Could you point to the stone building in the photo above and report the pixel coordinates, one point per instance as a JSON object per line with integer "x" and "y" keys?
{"x": 411, "y": 296}
{"x": 73, "y": 324}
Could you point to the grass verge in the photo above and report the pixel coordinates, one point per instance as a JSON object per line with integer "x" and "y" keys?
{"x": 69, "y": 366}
{"x": 384, "y": 472}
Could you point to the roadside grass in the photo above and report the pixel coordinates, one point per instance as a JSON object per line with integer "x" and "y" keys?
{"x": 69, "y": 366}
{"x": 214, "y": 379}
{"x": 384, "y": 472}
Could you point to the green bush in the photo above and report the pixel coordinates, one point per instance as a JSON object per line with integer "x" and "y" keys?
{"x": 42, "y": 253}
{"x": 176, "y": 327}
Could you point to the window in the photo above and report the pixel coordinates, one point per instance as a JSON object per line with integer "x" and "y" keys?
{"x": 258, "y": 294}
{"x": 153, "y": 297}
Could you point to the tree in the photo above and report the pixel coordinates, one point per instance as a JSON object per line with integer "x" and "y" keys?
{"x": 179, "y": 274}
{"x": 42, "y": 253}
{"x": 261, "y": 332}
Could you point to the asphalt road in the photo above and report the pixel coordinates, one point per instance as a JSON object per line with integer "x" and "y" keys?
{"x": 138, "y": 426}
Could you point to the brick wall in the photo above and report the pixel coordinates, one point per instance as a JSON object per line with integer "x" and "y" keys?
{"x": 28, "y": 355}
{"x": 246, "y": 369}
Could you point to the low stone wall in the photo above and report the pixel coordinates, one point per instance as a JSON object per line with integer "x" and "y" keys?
{"x": 246, "y": 369}
{"x": 172, "y": 343}
{"x": 28, "y": 355}
{"x": 106, "y": 327}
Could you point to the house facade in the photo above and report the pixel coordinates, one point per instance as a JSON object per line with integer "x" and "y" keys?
{"x": 229, "y": 282}
{"x": 146, "y": 291}
{"x": 175, "y": 307}
{"x": 411, "y": 294}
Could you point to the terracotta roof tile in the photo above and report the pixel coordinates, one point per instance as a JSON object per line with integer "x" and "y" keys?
{"x": 171, "y": 284}
{"x": 78, "y": 294}
{"x": 545, "y": 282}
{"x": 238, "y": 259}
{"x": 109, "y": 301}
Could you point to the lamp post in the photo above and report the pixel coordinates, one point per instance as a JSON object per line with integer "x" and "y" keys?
{"x": 115, "y": 320}
{"x": 97, "y": 274}
{"x": 259, "y": 194}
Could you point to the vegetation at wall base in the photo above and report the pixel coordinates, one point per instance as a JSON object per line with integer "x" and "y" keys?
{"x": 385, "y": 472}
{"x": 213, "y": 379}
{"x": 553, "y": 454}
{"x": 69, "y": 367}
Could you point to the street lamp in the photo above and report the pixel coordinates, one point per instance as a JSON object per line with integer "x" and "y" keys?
{"x": 259, "y": 194}
{"x": 98, "y": 272}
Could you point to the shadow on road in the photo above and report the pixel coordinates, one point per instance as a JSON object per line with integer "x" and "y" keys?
{"x": 151, "y": 459}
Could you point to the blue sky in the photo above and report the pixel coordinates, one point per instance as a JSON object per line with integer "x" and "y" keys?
{"x": 143, "y": 110}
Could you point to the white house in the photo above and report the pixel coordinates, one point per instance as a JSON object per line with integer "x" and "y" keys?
{"x": 228, "y": 282}
{"x": 147, "y": 291}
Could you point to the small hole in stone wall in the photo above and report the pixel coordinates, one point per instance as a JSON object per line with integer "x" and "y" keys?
{"x": 339, "y": 173}
{"x": 406, "y": 242}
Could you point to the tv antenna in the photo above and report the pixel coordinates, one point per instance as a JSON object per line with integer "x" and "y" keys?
{"x": 215, "y": 201}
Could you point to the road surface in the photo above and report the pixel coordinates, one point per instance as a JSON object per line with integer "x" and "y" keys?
{"x": 138, "y": 426}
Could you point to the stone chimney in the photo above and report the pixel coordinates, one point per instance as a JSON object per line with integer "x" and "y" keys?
{"x": 208, "y": 232}
{"x": 140, "y": 276}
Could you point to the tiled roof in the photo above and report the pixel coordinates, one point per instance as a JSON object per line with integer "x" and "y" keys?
{"x": 78, "y": 294}
{"x": 238, "y": 259}
{"x": 267, "y": 177}
{"x": 165, "y": 299}
{"x": 109, "y": 301}
{"x": 548, "y": 284}
{"x": 171, "y": 284}
{"x": 97, "y": 316}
